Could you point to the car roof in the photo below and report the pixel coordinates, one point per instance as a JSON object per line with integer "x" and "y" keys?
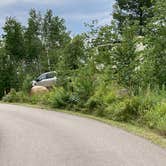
{"x": 50, "y": 72}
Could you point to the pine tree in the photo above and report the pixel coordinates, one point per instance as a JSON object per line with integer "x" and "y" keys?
{"x": 133, "y": 11}
{"x": 14, "y": 40}
{"x": 33, "y": 41}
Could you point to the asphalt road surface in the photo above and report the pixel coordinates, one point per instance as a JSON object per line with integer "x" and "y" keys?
{"x": 34, "y": 137}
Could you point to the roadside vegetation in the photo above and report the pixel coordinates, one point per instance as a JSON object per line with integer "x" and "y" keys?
{"x": 116, "y": 71}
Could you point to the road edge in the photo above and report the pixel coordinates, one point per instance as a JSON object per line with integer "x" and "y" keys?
{"x": 138, "y": 131}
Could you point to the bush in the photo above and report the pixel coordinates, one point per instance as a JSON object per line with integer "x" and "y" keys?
{"x": 156, "y": 118}
{"x": 94, "y": 103}
{"x": 131, "y": 109}
{"x": 23, "y": 97}
{"x": 12, "y": 96}
{"x": 106, "y": 95}
{"x": 83, "y": 84}
{"x": 26, "y": 86}
{"x": 95, "y": 106}
{"x": 114, "y": 111}
{"x": 59, "y": 98}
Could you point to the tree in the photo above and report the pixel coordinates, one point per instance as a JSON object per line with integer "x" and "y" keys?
{"x": 14, "y": 40}
{"x": 75, "y": 53}
{"x": 156, "y": 42}
{"x": 131, "y": 11}
{"x": 71, "y": 59}
{"x": 54, "y": 35}
{"x": 14, "y": 56}
{"x": 107, "y": 39}
{"x": 54, "y": 30}
{"x": 33, "y": 41}
{"x": 124, "y": 58}
{"x": 8, "y": 73}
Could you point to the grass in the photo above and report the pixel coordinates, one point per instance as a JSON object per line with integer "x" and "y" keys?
{"x": 139, "y": 131}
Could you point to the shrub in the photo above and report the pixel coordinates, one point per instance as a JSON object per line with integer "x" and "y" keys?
{"x": 11, "y": 96}
{"x": 83, "y": 84}
{"x": 95, "y": 106}
{"x": 105, "y": 95}
{"x": 26, "y": 86}
{"x": 14, "y": 96}
{"x": 23, "y": 97}
{"x": 59, "y": 98}
{"x": 131, "y": 109}
{"x": 114, "y": 111}
{"x": 156, "y": 118}
{"x": 110, "y": 97}
{"x": 93, "y": 103}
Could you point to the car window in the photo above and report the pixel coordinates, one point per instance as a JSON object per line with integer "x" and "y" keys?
{"x": 50, "y": 75}
{"x": 41, "y": 77}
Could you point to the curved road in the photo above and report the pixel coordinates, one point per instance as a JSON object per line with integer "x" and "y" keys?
{"x": 34, "y": 137}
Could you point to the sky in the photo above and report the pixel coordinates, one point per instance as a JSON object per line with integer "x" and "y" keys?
{"x": 75, "y": 12}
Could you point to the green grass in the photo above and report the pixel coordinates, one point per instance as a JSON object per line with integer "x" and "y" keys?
{"x": 139, "y": 131}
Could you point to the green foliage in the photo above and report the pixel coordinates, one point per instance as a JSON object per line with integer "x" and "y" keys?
{"x": 83, "y": 83}
{"x": 14, "y": 96}
{"x": 24, "y": 97}
{"x": 14, "y": 41}
{"x": 125, "y": 58}
{"x": 156, "y": 41}
{"x": 130, "y": 11}
{"x": 9, "y": 78}
{"x": 59, "y": 98}
{"x": 26, "y": 86}
{"x": 33, "y": 44}
{"x": 156, "y": 118}
{"x": 74, "y": 53}
{"x": 54, "y": 30}
{"x": 127, "y": 110}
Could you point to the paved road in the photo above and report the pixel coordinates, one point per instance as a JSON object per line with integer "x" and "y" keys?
{"x": 34, "y": 137}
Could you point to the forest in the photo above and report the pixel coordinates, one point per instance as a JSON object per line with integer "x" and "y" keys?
{"x": 117, "y": 71}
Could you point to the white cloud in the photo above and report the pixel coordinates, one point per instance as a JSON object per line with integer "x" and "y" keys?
{"x": 7, "y": 2}
{"x": 11, "y": 2}
{"x": 102, "y": 17}
{"x": 47, "y": 2}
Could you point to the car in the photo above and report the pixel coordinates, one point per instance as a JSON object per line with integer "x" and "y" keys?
{"x": 47, "y": 80}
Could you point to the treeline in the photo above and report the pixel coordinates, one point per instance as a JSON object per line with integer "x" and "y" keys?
{"x": 117, "y": 70}
{"x": 31, "y": 50}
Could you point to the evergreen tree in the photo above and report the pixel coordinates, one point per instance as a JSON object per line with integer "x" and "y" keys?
{"x": 54, "y": 31}
{"x": 7, "y": 72}
{"x": 14, "y": 40}
{"x": 33, "y": 41}
{"x": 74, "y": 54}
{"x": 156, "y": 42}
{"x": 133, "y": 11}
{"x": 54, "y": 37}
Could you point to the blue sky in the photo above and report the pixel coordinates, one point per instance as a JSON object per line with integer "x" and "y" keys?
{"x": 75, "y": 12}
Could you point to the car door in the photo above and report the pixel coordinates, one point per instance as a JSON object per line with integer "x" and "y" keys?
{"x": 41, "y": 81}
{"x": 50, "y": 77}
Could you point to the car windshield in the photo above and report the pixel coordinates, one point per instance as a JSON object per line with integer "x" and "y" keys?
{"x": 41, "y": 77}
{"x": 46, "y": 76}
{"x": 50, "y": 75}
